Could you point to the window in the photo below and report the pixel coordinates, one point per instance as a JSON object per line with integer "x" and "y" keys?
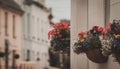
{"x": 6, "y": 23}
{"x": 28, "y": 22}
{"x": 14, "y": 27}
{"x": 28, "y": 55}
{"x": 38, "y": 25}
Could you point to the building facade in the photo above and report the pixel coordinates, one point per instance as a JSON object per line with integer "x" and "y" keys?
{"x": 85, "y": 15}
{"x": 35, "y": 41}
{"x": 10, "y": 30}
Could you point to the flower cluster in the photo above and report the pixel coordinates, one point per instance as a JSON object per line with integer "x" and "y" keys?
{"x": 116, "y": 46}
{"x": 115, "y": 27}
{"x": 88, "y": 40}
{"x": 96, "y": 31}
{"x": 93, "y": 39}
{"x": 60, "y": 30}
{"x": 111, "y": 42}
{"x": 60, "y": 36}
{"x": 106, "y": 40}
{"x": 107, "y": 44}
{"x": 78, "y": 46}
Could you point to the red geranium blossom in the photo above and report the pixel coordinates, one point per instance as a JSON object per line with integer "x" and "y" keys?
{"x": 81, "y": 33}
{"x": 57, "y": 29}
{"x": 100, "y": 29}
{"x": 95, "y": 28}
{"x": 108, "y": 27}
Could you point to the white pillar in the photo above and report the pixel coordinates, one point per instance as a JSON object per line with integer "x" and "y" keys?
{"x": 78, "y": 23}
{"x": 85, "y": 14}
{"x": 96, "y": 13}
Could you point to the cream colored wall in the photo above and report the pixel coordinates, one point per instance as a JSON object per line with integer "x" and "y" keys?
{"x": 78, "y": 23}
{"x": 15, "y": 44}
{"x": 86, "y": 14}
{"x": 95, "y": 13}
{"x": 40, "y": 30}
{"x": 114, "y": 10}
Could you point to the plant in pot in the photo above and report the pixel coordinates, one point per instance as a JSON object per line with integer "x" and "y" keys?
{"x": 60, "y": 36}
{"x": 78, "y": 46}
{"x": 115, "y": 28}
{"x": 107, "y": 41}
{"x": 92, "y": 45}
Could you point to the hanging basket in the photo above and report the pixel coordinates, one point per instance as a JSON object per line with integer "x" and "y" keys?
{"x": 95, "y": 55}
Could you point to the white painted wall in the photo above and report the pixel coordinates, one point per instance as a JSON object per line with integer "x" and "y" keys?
{"x": 35, "y": 34}
{"x": 114, "y": 11}
{"x": 78, "y": 23}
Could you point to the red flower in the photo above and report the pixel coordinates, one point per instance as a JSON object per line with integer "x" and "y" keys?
{"x": 100, "y": 29}
{"x": 57, "y": 28}
{"x": 65, "y": 25}
{"x": 108, "y": 27}
{"x": 56, "y": 25}
{"x": 81, "y": 33}
{"x": 95, "y": 28}
{"x": 52, "y": 32}
{"x": 61, "y": 26}
{"x": 104, "y": 33}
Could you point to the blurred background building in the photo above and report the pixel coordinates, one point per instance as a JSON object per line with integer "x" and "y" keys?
{"x": 27, "y": 33}
{"x": 10, "y": 34}
{"x": 35, "y": 28}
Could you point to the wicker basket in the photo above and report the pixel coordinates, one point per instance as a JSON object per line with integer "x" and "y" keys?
{"x": 96, "y": 56}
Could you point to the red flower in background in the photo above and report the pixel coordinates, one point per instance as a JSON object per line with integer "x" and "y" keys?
{"x": 57, "y": 29}
{"x": 65, "y": 25}
{"x": 51, "y": 32}
{"x": 56, "y": 25}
